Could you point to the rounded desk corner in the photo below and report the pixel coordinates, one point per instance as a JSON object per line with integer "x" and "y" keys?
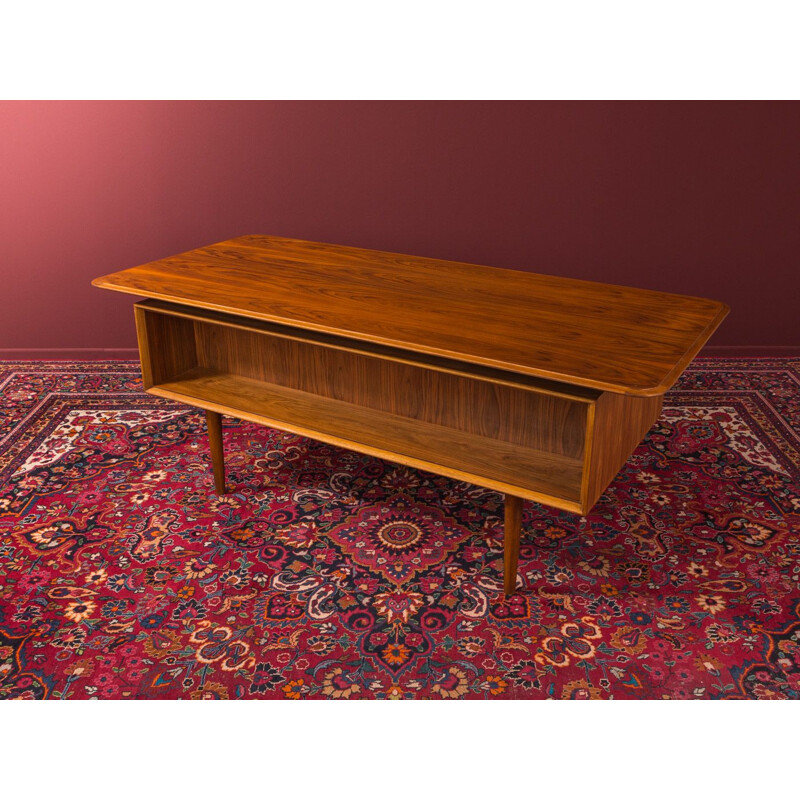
{"x": 654, "y": 391}
{"x": 722, "y": 311}
{"x": 248, "y": 238}
{"x": 657, "y": 390}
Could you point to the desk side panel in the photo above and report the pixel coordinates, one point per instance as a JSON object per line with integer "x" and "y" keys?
{"x": 617, "y": 424}
{"x": 167, "y": 346}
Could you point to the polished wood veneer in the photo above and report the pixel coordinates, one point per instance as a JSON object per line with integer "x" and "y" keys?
{"x": 536, "y": 386}
{"x": 470, "y": 428}
{"x": 615, "y": 338}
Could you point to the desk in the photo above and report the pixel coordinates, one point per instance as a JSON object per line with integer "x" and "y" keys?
{"x": 536, "y": 386}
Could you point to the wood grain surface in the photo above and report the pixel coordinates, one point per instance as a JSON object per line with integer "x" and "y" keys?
{"x": 511, "y": 536}
{"x": 534, "y": 474}
{"x": 630, "y": 341}
{"x": 505, "y": 413}
{"x": 371, "y": 349}
{"x": 617, "y": 423}
{"x": 419, "y": 411}
{"x": 216, "y": 449}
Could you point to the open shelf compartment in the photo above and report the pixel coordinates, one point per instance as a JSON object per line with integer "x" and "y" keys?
{"x": 505, "y": 431}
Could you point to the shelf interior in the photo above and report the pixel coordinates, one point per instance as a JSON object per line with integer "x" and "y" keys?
{"x": 466, "y": 456}
{"x": 527, "y": 440}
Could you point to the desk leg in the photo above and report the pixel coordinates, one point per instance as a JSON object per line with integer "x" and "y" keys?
{"x": 511, "y": 542}
{"x": 214, "y": 421}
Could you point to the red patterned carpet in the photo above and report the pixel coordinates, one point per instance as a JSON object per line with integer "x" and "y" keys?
{"x": 328, "y": 574}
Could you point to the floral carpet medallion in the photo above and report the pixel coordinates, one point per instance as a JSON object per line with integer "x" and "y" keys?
{"x": 328, "y": 574}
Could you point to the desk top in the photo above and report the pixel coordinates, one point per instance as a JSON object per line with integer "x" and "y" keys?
{"x": 615, "y": 338}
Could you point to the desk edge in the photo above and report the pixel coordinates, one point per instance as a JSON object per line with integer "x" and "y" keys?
{"x": 106, "y": 282}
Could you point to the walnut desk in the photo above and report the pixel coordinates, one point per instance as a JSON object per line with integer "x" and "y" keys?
{"x": 536, "y": 386}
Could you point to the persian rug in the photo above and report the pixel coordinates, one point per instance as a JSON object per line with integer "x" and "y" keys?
{"x": 329, "y": 574}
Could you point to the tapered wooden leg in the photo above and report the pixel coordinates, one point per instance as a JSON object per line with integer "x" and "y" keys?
{"x": 214, "y": 421}
{"x": 511, "y": 541}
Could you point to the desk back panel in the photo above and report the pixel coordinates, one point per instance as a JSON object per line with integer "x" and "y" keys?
{"x": 519, "y": 416}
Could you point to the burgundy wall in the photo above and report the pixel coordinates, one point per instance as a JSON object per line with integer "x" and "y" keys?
{"x": 701, "y": 198}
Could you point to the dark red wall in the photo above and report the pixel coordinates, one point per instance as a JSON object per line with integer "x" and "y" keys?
{"x": 695, "y": 197}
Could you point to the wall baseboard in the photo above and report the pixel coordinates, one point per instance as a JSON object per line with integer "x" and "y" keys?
{"x": 132, "y": 354}
{"x": 69, "y": 354}
{"x": 751, "y": 351}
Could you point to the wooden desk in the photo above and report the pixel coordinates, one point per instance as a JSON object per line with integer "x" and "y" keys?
{"x": 536, "y": 386}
